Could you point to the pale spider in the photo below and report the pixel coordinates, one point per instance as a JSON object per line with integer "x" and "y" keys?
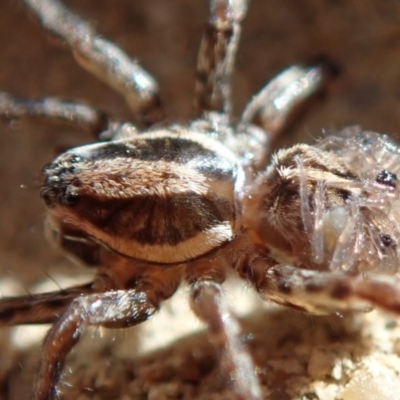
{"x": 315, "y": 230}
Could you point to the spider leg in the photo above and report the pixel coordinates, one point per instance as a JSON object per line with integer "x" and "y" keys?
{"x": 114, "y": 309}
{"x": 39, "y": 308}
{"x": 322, "y": 292}
{"x": 275, "y": 104}
{"x": 217, "y": 55}
{"x": 56, "y": 111}
{"x": 208, "y": 303}
{"x": 102, "y": 58}
{"x": 53, "y": 110}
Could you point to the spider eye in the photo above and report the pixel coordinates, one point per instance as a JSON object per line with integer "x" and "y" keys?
{"x": 387, "y": 178}
{"x": 70, "y": 199}
{"x": 387, "y": 240}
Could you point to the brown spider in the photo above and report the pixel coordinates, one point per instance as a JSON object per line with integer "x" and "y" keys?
{"x": 315, "y": 229}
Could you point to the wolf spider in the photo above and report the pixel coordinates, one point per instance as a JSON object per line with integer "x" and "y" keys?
{"x": 315, "y": 229}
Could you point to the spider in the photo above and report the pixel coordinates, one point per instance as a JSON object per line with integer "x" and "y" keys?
{"x": 314, "y": 229}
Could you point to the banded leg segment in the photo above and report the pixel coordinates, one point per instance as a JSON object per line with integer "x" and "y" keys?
{"x": 324, "y": 292}
{"x": 217, "y": 55}
{"x": 114, "y": 309}
{"x": 208, "y": 303}
{"x": 102, "y": 58}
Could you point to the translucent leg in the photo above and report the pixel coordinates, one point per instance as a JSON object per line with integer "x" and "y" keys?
{"x": 209, "y": 305}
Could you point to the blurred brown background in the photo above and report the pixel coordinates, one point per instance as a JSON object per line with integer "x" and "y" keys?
{"x": 361, "y": 37}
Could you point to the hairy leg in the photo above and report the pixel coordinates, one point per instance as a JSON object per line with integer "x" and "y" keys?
{"x": 54, "y": 110}
{"x": 273, "y": 106}
{"x": 323, "y": 292}
{"x": 114, "y": 309}
{"x": 102, "y": 58}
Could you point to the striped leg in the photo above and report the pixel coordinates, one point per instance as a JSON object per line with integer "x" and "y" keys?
{"x": 325, "y": 292}
{"x": 217, "y": 55}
